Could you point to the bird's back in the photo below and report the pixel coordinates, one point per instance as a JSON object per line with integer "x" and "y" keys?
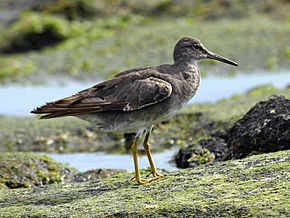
{"x": 140, "y": 97}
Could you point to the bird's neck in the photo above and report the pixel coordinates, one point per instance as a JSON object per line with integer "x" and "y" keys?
{"x": 187, "y": 65}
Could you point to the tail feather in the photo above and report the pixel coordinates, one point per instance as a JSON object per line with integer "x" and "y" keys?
{"x": 77, "y": 105}
{"x": 51, "y": 111}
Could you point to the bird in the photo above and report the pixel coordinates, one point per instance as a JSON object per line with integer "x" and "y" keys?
{"x": 134, "y": 100}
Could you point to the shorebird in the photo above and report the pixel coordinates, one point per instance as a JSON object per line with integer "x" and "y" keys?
{"x": 136, "y": 99}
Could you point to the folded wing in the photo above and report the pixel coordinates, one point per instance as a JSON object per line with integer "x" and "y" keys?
{"x": 124, "y": 93}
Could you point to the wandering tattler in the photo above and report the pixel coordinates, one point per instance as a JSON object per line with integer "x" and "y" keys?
{"x": 136, "y": 99}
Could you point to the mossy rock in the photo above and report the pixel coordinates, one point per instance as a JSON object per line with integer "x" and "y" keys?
{"x": 33, "y": 31}
{"x": 253, "y": 187}
{"x": 23, "y": 170}
{"x": 264, "y": 128}
{"x": 71, "y": 9}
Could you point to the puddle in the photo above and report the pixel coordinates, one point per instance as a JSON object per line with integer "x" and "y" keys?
{"x": 87, "y": 161}
{"x": 20, "y": 100}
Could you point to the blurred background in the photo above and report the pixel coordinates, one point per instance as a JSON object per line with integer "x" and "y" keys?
{"x": 50, "y": 49}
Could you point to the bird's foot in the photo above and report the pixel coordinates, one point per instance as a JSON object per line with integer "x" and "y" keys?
{"x": 155, "y": 175}
{"x": 142, "y": 181}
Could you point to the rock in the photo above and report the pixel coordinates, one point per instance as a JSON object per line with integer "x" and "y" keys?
{"x": 204, "y": 151}
{"x": 27, "y": 169}
{"x": 33, "y": 32}
{"x": 257, "y": 186}
{"x": 23, "y": 170}
{"x": 265, "y": 128}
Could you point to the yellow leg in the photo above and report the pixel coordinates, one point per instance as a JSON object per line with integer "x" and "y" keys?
{"x": 135, "y": 157}
{"x": 146, "y": 145}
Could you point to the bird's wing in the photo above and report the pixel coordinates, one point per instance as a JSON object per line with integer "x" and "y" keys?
{"x": 123, "y": 93}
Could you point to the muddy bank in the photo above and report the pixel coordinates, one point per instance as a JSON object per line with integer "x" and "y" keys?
{"x": 254, "y": 186}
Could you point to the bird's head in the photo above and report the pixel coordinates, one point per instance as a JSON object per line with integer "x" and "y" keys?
{"x": 191, "y": 50}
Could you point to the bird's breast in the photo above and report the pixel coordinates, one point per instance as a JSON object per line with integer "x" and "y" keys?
{"x": 186, "y": 85}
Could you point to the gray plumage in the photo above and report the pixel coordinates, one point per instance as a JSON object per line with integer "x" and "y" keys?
{"x": 136, "y": 99}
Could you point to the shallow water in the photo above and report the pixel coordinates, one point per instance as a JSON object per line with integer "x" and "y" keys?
{"x": 20, "y": 100}
{"x": 88, "y": 161}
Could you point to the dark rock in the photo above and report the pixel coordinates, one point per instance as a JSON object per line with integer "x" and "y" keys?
{"x": 265, "y": 128}
{"x": 204, "y": 151}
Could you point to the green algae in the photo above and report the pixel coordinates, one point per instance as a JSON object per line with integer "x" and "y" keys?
{"x": 71, "y": 10}
{"x": 87, "y": 46}
{"x": 26, "y": 33}
{"x": 57, "y": 135}
{"x": 254, "y": 186}
{"x": 28, "y": 170}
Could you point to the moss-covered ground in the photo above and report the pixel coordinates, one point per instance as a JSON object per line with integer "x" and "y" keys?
{"x": 120, "y": 37}
{"x": 257, "y": 186}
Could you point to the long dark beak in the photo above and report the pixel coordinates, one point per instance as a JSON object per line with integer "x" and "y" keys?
{"x": 214, "y": 56}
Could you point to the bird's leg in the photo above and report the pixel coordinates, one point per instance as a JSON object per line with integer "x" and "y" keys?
{"x": 146, "y": 145}
{"x": 134, "y": 149}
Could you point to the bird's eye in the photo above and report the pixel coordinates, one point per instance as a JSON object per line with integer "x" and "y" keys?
{"x": 197, "y": 46}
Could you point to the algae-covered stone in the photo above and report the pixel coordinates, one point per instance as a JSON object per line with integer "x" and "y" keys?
{"x": 24, "y": 170}
{"x": 202, "y": 152}
{"x": 19, "y": 170}
{"x": 256, "y": 186}
{"x": 34, "y": 31}
{"x": 73, "y": 9}
{"x": 265, "y": 128}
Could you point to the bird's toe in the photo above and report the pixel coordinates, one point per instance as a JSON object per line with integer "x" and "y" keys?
{"x": 155, "y": 175}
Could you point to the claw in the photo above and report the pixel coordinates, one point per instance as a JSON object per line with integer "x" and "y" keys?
{"x": 142, "y": 181}
{"x": 155, "y": 175}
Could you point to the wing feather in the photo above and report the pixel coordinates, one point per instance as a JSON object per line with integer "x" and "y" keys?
{"x": 127, "y": 92}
